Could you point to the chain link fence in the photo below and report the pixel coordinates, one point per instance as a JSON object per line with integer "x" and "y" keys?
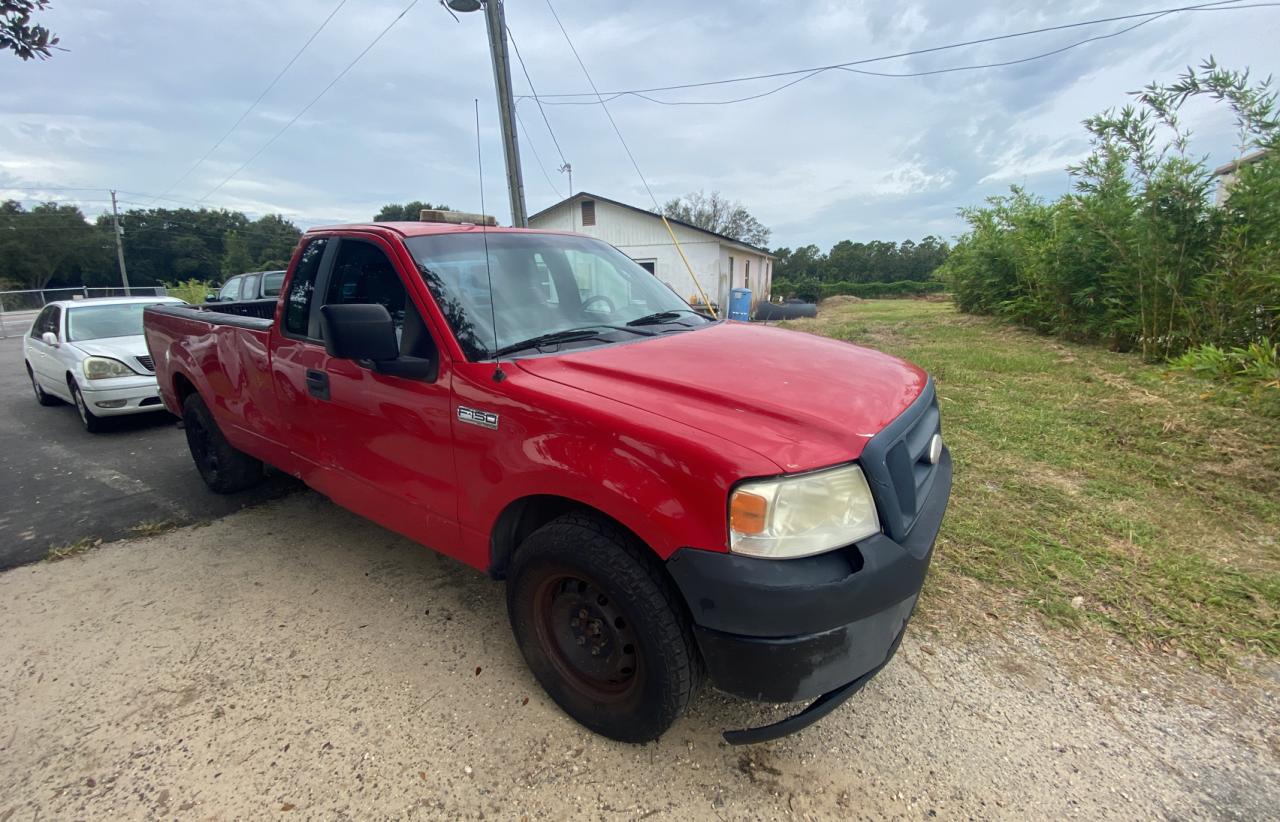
{"x": 18, "y": 309}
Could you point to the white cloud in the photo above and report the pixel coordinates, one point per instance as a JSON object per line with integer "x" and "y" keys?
{"x": 145, "y": 89}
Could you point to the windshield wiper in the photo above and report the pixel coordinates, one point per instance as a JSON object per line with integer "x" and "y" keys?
{"x": 660, "y": 317}
{"x": 570, "y": 335}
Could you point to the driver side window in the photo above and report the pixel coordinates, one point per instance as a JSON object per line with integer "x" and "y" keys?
{"x": 362, "y": 274}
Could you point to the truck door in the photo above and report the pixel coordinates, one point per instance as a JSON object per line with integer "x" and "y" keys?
{"x": 386, "y": 442}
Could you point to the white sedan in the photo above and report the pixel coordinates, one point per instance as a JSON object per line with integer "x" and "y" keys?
{"x": 91, "y": 353}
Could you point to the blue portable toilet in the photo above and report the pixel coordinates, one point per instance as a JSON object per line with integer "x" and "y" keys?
{"x": 740, "y": 304}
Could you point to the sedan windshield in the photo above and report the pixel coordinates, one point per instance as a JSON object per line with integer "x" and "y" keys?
{"x": 96, "y": 322}
{"x": 543, "y": 285}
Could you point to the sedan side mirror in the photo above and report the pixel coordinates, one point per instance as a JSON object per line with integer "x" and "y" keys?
{"x": 365, "y": 333}
{"x": 211, "y": 298}
{"x": 49, "y": 338}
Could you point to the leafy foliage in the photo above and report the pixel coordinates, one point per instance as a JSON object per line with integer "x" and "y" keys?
{"x": 719, "y": 214}
{"x": 235, "y": 255}
{"x": 410, "y": 212}
{"x": 17, "y": 34}
{"x": 1137, "y": 255}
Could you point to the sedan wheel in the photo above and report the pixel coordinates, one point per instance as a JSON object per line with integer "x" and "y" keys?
{"x": 93, "y": 424}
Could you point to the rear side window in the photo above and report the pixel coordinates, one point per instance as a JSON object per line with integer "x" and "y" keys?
{"x": 297, "y": 304}
{"x": 271, "y": 282}
{"x": 249, "y": 289}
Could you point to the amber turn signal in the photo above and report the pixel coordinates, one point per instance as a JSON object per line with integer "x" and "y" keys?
{"x": 748, "y": 512}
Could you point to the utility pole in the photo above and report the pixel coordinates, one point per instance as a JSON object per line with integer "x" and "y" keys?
{"x": 115, "y": 225}
{"x": 496, "y": 22}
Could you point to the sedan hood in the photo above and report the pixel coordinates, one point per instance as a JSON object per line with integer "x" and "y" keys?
{"x": 125, "y": 349}
{"x": 797, "y": 399}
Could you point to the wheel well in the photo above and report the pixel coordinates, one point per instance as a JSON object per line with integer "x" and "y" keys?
{"x": 182, "y": 388}
{"x": 526, "y": 515}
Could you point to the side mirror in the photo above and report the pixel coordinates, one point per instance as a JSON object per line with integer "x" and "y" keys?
{"x": 365, "y": 333}
{"x": 49, "y": 338}
{"x": 211, "y": 298}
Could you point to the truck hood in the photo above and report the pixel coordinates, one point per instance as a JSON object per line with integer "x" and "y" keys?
{"x": 797, "y": 399}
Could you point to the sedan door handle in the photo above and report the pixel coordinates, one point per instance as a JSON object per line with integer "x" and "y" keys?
{"x": 317, "y": 384}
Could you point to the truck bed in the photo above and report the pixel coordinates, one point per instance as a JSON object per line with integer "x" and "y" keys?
{"x": 223, "y": 351}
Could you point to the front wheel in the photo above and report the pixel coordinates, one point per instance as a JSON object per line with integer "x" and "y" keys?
{"x": 602, "y": 628}
{"x": 91, "y": 422}
{"x": 224, "y": 469}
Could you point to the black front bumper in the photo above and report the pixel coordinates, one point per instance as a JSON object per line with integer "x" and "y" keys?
{"x": 790, "y": 630}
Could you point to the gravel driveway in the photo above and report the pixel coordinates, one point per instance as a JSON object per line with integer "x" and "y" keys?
{"x": 292, "y": 659}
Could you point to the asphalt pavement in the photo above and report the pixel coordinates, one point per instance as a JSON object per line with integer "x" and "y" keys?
{"x": 60, "y": 484}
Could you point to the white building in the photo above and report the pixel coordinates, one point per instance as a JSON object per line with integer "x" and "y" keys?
{"x": 719, "y": 262}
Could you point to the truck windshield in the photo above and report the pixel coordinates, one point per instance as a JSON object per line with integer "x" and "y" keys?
{"x": 543, "y": 284}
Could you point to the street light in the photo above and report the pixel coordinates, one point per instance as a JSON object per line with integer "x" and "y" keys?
{"x": 495, "y": 22}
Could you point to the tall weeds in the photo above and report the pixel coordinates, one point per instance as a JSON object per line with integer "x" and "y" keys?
{"x": 1138, "y": 256}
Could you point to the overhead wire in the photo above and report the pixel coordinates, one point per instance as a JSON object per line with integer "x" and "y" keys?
{"x": 536, "y": 156}
{"x": 656, "y": 208}
{"x": 313, "y": 101}
{"x": 803, "y": 74}
{"x": 534, "y": 93}
{"x": 255, "y": 102}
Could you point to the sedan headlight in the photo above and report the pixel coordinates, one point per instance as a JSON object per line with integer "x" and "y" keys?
{"x": 101, "y": 368}
{"x": 799, "y": 516}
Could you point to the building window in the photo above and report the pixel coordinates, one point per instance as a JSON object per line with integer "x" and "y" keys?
{"x": 731, "y": 271}
{"x": 588, "y": 212}
{"x": 746, "y": 274}
{"x": 648, "y": 265}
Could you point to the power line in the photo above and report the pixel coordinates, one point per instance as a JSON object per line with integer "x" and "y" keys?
{"x": 603, "y": 105}
{"x": 529, "y": 140}
{"x": 254, "y": 104}
{"x": 675, "y": 242}
{"x": 807, "y": 73}
{"x": 534, "y": 94}
{"x": 314, "y": 100}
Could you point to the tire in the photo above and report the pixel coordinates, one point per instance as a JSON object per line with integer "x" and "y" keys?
{"x": 580, "y": 583}
{"x": 92, "y": 423}
{"x": 224, "y": 469}
{"x": 43, "y": 397}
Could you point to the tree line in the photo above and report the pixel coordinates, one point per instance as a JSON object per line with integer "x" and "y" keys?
{"x": 53, "y": 245}
{"x": 871, "y": 269}
{"x": 1138, "y": 255}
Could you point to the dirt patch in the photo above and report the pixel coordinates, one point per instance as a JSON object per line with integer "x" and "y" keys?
{"x": 841, "y": 299}
{"x": 295, "y": 657}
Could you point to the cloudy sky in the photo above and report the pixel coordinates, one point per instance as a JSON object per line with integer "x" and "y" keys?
{"x": 146, "y": 88}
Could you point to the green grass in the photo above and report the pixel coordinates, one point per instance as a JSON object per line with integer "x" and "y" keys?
{"x": 1097, "y": 490}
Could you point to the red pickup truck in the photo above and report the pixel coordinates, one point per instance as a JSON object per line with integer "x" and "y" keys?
{"x": 668, "y": 497}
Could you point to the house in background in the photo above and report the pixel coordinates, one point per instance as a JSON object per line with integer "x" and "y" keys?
{"x": 720, "y": 262}
{"x": 1226, "y": 174}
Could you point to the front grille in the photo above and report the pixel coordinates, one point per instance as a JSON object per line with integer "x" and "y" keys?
{"x": 147, "y": 363}
{"x": 896, "y": 462}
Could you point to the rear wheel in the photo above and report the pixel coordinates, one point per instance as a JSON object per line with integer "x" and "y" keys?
{"x": 42, "y": 396}
{"x": 92, "y": 423}
{"x": 224, "y": 469}
{"x": 602, "y": 629}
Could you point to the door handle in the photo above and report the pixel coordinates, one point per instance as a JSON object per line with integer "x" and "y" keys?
{"x": 317, "y": 384}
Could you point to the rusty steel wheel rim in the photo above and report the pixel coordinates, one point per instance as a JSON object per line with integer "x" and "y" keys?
{"x": 586, "y": 636}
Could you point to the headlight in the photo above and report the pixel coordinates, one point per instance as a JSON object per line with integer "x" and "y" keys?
{"x": 800, "y": 516}
{"x": 101, "y": 368}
